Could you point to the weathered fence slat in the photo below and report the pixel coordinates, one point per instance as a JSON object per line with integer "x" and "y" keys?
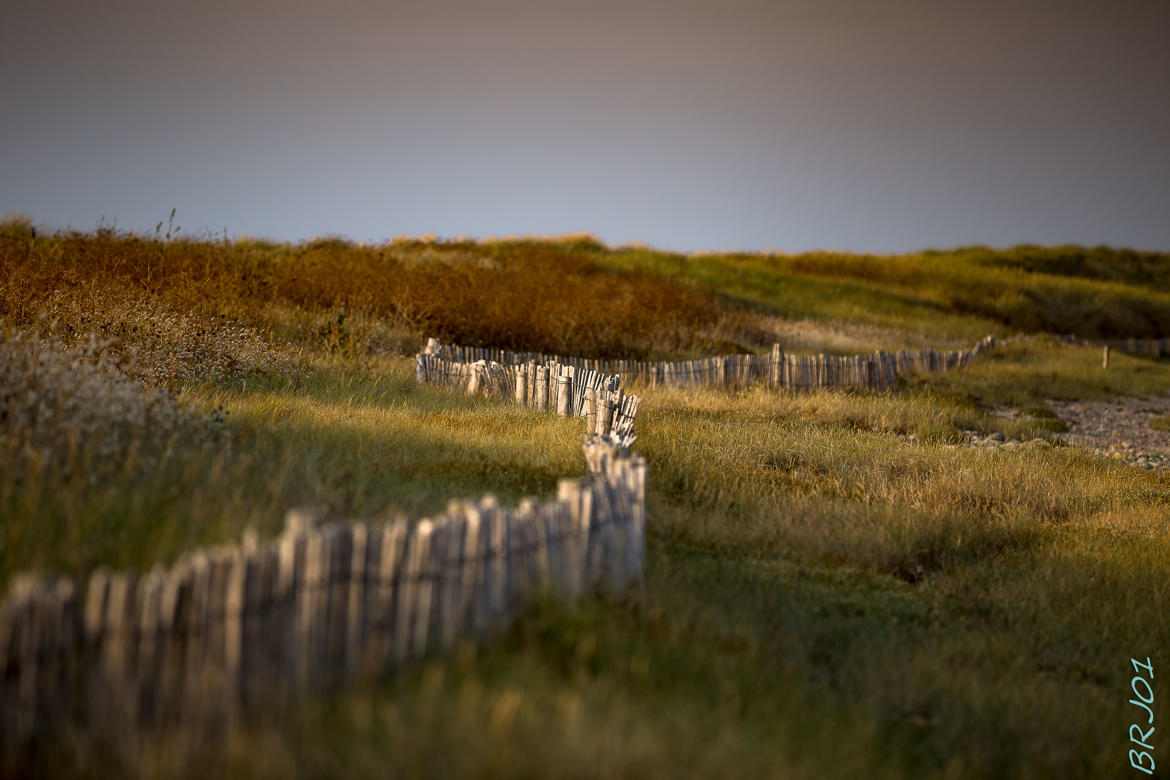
{"x": 321, "y": 603}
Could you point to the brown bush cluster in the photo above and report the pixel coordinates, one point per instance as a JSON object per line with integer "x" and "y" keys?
{"x": 535, "y": 295}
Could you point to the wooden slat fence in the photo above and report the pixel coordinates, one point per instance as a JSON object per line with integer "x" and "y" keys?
{"x": 548, "y": 386}
{"x": 323, "y": 603}
{"x": 797, "y": 372}
{"x": 1151, "y": 347}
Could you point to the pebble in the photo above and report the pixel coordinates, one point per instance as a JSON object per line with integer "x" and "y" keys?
{"x": 998, "y": 440}
{"x": 1119, "y": 450}
{"x": 1119, "y": 429}
{"x": 1125, "y": 451}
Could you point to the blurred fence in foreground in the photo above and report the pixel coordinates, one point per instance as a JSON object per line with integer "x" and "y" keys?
{"x": 323, "y": 603}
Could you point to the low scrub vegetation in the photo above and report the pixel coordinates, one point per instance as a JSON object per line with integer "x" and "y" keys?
{"x": 567, "y": 296}
{"x": 543, "y": 297}
{"x": 960, "y": 294}
{"x": 70, "y": 410}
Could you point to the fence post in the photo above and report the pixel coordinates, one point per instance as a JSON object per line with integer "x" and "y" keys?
{"x": 119, "y": 656}
{"x": 575, "y": 537}
{"x": 355, "y": 629}
{"x": 521, "y": 385}
{"x": 496, "y": 581}
{"x": 590, "y": 410}
{"x": 605, "y": 414}
{"x": 473, "y": 575}
{"x": 421, "y": 574}
{"x": 562, "y": 396}
{"x": 313, "y": 608}
{"x": 449, "y": 563}
{"x": 540, "y": 396}
{"x": 386, "y": 600}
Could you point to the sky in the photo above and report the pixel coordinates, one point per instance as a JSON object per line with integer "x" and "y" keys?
{"x": 786, "y": 125}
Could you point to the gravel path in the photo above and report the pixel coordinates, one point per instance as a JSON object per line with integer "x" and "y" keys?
{"x": 1119, "y": 428}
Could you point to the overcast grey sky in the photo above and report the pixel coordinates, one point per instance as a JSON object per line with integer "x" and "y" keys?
{"x": 848, "y": 124}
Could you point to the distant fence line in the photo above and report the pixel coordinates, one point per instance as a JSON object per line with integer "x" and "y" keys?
{"x": 1150, "y": 347}
{"x": 552, "y": 385}
{"x": 797, "y": 372}
{"x": 321, "y": 604}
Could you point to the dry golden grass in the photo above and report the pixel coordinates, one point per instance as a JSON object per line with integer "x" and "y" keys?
{"x": 158, "y": 343}
{"x": 825, "y": 595}
{"x": 841, "y": 337}
{"x": 820, "y": 476}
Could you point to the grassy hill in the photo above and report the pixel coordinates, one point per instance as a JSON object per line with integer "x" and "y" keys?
{"x": 825, "y": 596}
{"x": 1095, "y": 293}
{"x": 576, "y": 296}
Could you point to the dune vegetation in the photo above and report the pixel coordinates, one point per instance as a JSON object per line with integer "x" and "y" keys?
{"x": 836, "y": 586}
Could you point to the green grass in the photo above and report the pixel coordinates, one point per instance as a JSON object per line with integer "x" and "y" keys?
{"x": 1029, "y": 373}
{"x": 825, "y": 596}
{"x": 959, "y": 295}
{"x": 358, "y": 438}
{"x": 1160, "y": 424}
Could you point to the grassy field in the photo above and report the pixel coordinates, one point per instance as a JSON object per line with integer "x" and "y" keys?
{"x": 826, "y": 595}
{"x": 961, "y": 294}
